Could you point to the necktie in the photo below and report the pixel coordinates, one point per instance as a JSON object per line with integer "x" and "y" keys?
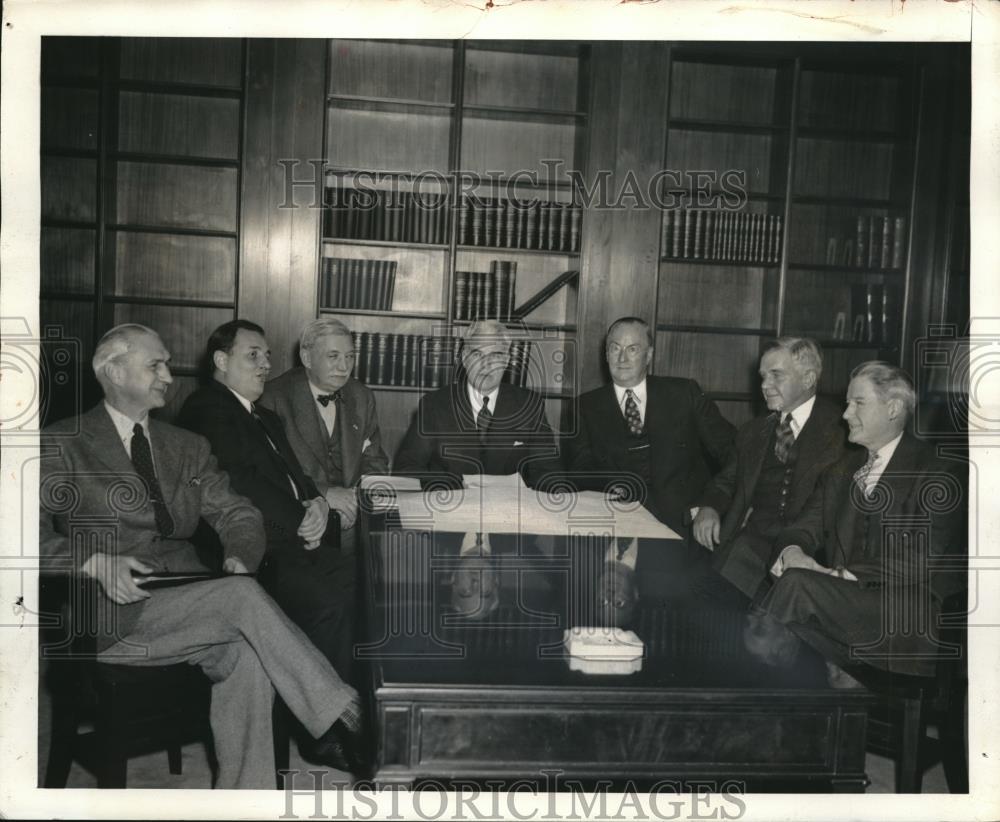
{"x": 142, "y": 459}
{"x": 784, "y": 439}
{"x": 632, "y": 416}
{"x": 861, "y": 475}
{"x": 326, "y": 399}
{"x": 277, "y": 453}
{"x": 484, "y": 417}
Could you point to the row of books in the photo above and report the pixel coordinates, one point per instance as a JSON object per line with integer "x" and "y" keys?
{"x": 879, "y": 242}
{"x": 385, "y": 216}
{"x": 875, "y": 312}
{"x": 726, "y": 236}
{"x": 365, "y": 284}
{"x": 491, "y": 222}
{"x": 486, "y": 294}
{"x": 422, "y": 361}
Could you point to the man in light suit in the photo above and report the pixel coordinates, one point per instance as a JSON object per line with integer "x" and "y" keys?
{"x": 330, "y": 418}
{"x": 304, "y": 569}
{"x": 478, "y": 424}
{"x": 863, "y": 572}
{"x": 647, "y": 437}
{"x": 135, "y": 488}
{"x": 776, "y": 464}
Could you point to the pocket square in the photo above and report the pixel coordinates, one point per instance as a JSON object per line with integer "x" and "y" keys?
{"x": 367, "y": 442}
{"x": 194, "y": 482}
{"x": 517, "y": 443}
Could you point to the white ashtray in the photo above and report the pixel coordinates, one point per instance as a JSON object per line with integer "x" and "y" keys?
{"x": 603, "y": 650}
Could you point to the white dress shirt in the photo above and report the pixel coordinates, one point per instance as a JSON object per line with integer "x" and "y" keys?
{"x": 328, "y": 412}
{"x": 800, "y": 416}
{"x": 476, "y": 399}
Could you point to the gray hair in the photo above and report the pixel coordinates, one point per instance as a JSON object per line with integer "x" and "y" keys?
{"x": 890, "y": 381}
{"x": 116, "y": 344}
{"x": 489, "y": 330}
{"x": 631, "y": 321}
{"x": 322, "y": 327}
{"x": 803, "y": 350}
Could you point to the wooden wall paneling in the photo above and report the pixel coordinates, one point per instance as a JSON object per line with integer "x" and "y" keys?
{"x": 67, "y": 259}
{"x": 69, "y": 186}
{"x": 279, "y": 246}
{"x": 175, "y": 266}
{"x": 177, "y": 196}
{"x": 184, "y": 329}
{"x": 193, "y": 60}
{"x": 179, "y": 124}
{"x": 392, "y": 70}
{"x": 69, "y": 117}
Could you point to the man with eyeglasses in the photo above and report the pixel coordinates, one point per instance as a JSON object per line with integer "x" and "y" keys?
{"x": 645, "y": 437}
{"x": 479, "y": 424}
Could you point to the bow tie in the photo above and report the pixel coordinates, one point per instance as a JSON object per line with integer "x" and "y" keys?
{"x": 326, "y": 399}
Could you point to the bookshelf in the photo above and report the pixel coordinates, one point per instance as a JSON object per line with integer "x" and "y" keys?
{"x": 436, "y": 193}
{"x": 141, "y": 179}
{"x": 818, "y": 244}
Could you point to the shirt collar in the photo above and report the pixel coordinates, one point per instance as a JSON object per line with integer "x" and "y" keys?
{"x": 884, "y": 454}
{"x": 800, "y": 416}
{"x": 243, "y": 400}
{"x": 476, "y": 399}
{"x": 639, "y": 391}
{"x": 124, "y": 424}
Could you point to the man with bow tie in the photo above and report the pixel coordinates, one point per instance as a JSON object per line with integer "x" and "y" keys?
{"x": 863, "y": 572}
{"x": 330, "y": 418}
{"x": 304, "y": 568}
{"x": 776, "y": 464}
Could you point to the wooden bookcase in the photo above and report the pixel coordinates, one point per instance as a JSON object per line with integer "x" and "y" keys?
{"x": 141, "y": 178}
{"x": 464, "y": 128}
{"x": 823, "y": 146}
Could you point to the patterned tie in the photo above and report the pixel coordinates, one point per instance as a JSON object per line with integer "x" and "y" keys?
{"x": 632, "y": 414}
{"x": 784, "y": 439}
{"x": 861, "y": 475}
{"x": 142, "y": 459}
{"x": 326, "y": 399}
{"x": 484, "y": 417}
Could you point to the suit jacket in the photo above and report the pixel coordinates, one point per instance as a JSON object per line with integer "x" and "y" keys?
{"x": 819, "y": 445}
{"x": 682, "y": 424}
{"x": 442, "y": 442}
{"x": 917, "y": 492}
{"x": 290, "y": 397}
{"x": 255, "y": 470}
{"x": 92, "y": 499}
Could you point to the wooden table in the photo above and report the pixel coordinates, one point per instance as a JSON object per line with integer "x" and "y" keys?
{"x": 490, "y": 696}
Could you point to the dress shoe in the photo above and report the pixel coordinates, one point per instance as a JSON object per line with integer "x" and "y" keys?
{"x": 342, "y": 749}
{"x": 837, "y": 677}
{"x": 770, "y": 642}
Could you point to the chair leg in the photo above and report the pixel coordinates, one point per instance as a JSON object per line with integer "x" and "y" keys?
{"x": 174, "y": 759}
{"x": 908, "y": 768}
{"x": 62, "y": 743}
{"x": 954, "y": 754}
{"x": 112, "y": 741}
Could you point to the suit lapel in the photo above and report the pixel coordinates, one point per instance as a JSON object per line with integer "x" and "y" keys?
{"x": 106, "y": 445}
{"x": 166, "y": 456}
{"x": 758, "y": 451}
{"x": 847, "y": 513}
{"x": 610, "y": 416}
{"x": 350, "y": 433}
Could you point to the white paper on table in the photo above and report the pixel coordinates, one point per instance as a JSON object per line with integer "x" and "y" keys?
{"x": 514, "y": 508}
{"x": 380, "y": 482}
{"x": 496, "y": 482}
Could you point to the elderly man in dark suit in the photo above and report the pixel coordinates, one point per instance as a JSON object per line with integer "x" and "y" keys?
{"x": 863, "y": 572}
{"x": 330, "y": 418}
{"x": 478, "y": 424}
{"x": 304, "y": 569}
{"x": 152, "y": 482}
{"x": 648, "y": 437}
{"x": 776, "y": 464}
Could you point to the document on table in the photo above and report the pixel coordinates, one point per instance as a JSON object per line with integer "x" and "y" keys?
{"x": 500, "y": 505}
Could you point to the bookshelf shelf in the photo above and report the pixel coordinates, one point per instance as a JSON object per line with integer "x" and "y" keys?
{"x": 855, "y": 345}
{"x": 720, "y": 263}
{"x": 360, "y": 312}
{"x": 845, "y": 269}
{"x": 180, "y": 231}
{"x": 725, "y": 126}
{"x": 124, "y": 299}
{"x": 717, "y": 329}
{"x": 393, "y": 104}
{"x": 524, "y": 114}
{"x": 174, "y": 159}
{"x": 519, "y": 325}
{"x": 844, "y": 202}
{"x": 181, "y": 89}
{"x": 505, "y": 250}
{"x": 328, "y": 241}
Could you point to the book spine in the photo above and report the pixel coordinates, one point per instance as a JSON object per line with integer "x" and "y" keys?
{"x": 361, "y": 359}
{"x": 490, "y": 223}
{"x": 511, "y": 268}
{"x": 898, "y": 238}
{"x": 665, "y": 233}
{"x": 477, "y": 221}
{"x": 392, "y": 360}
{"x": 564, "y": 221}
{"x": 463, "y": 222}
{"x": 531, "y": 233}
{"x": 356, "y": 343}
{"x": 886, "y": 260}
{"x": 499, "y": 276}
{"x": 678, "y": 229}
{"x": 381, "y": 350}
{"x": 461, "y": 292}
{"x": 698, "y": 234}
{"x": 489, "y": 290}
{"x": 510, "y": 233}
{"x": 414, "y": 349}
{"x": 365, "y": 275}
{"x": 874, "y": 244}
{"x": 525, "y": 358}
{"x": 861, "y": 243}
{"x": 437, "y": 364}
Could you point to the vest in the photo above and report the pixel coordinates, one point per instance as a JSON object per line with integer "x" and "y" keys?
{"x": 773, "y": 490}
{"x": 334, "y": 451}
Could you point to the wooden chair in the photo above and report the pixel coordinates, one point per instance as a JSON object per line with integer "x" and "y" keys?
{"x": 133, "y": 709}
{"x": 898, "y": 728}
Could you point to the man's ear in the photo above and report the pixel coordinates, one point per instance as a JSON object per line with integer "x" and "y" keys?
{"x": 114, "y": 372}
{"x": 809, "y": 378}
{"x": 220, "y": 359}
{"x": 305, "y": 357}
{"x": 894, "y": 408}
